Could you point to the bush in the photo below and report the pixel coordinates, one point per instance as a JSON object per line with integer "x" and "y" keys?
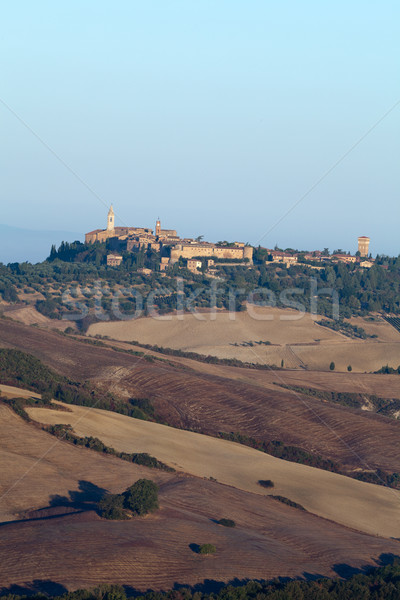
{"x": 287, "y": 501}
{"x": 267, "y": 483}
{"x": 112, "y": 507}
{"x": 227, "y": 522}
{"x": 142, "y": 497}
{"x": 332, "y": 366}
{"x": 207, "y": 549}
{"x": 388, "y": 370}
{"x": 349, "y": 368}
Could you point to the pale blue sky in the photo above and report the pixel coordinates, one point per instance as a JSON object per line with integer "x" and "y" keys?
{"x": 216, "y": 115}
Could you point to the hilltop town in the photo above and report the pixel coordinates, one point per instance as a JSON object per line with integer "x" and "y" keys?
{"x": 167, "y": 242}
{"x": 196, "y": 252}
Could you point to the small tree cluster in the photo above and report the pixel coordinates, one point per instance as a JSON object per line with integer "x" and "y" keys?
{"x": 139, "y": 499}
{"x": 112, "y": 507}
{"x": 207, "y": 549}
{"x": 226, "y": 523}
{"x": 267, "y": 483}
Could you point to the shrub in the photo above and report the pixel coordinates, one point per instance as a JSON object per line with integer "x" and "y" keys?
{"x": 287, "y": 501}
{"x": 388, "y": 370}
{"x": 142, "y": 497}
{"x": 267, "y": 483}
{"x": 349, "y": 368}
{"x": 332, "y": 366}
{"x": 227, "y": 522}
{"x": 112, "y": 507}
{"x": 207, "y": 549}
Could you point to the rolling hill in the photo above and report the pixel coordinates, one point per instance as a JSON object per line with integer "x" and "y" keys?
{"x": 53, "y": 540}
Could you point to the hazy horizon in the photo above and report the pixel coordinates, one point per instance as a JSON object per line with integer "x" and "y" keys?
{"x": 38, "y": 243}
{"x": 216, "y": 117}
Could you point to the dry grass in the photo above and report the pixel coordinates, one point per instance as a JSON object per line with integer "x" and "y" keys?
{"x": 80, "y": 550}
{"x": 9, "y": 391}
{"x": 35, "y": 467}
{"x": 211, "y": 398}
{"x": 299, "y": 342}
{"x": 28, "y": 315}
{"x": 368, "y": 508}
{"x": 190, "y": 333}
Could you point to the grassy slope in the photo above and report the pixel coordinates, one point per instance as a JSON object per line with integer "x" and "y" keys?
{"x": 81, "y": 550}
{"x": 362, "y": 506}
{"x": 210, "y": 398}
{"x": 296, "y": 341}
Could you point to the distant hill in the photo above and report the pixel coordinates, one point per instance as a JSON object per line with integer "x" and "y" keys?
{"x": 20, "y": 245}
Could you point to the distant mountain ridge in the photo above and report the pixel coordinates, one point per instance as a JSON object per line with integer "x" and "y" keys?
{"x": 20, "y": 245}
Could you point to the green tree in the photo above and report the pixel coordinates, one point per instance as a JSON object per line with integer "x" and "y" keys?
{"x": 227, "y": 522}
{"x": 332, "y": 366}
{"x": 141, "y": 497}
{"x": 267, "y": 483}
{"x": 111, "y": 507}
{"x": 47, "y": 396}
{"x": 105, "y": 592}
{"x": 207, "y": 549}
{"x": 349, "y": 368}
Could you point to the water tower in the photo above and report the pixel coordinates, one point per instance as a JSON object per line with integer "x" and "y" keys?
{"x": 363, "y": 245}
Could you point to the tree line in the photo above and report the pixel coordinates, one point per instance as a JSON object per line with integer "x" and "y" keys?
{"x": 375, "y": 583}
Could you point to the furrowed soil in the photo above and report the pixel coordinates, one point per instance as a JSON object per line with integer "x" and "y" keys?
{"x": 52, "y": 539}
{"x": 369, "y": 508}
{"x": 212, "y": 398}
{"x": 295, "y": 338}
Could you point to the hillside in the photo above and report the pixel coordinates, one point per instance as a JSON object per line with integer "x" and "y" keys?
{"x": 291, "y": 337}
{"x": 43, "y": 477}
{"x": 210, "y": 399}
{"x": 362, "y": 506}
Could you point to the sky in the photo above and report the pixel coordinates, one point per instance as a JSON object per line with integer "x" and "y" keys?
{"x": 258, "y": 121}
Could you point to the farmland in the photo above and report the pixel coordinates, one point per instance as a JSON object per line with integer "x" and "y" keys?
{"x": 45, "y": 477}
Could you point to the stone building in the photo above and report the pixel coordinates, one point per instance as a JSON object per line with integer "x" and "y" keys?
{"x": 121, "y": 233}
{"x": 282, "y": 257}
{"x": 194, "y": 265}
{"x": 363, "y": 245}
{"x": 165, "y": 234}
{"x": 344, "y": 258}
{"x": 165, "y": 241}
{"x": 114, "y": 260}
{"x": 366, "y": 264}
{"x": 204, "y": 249}
{"x": 164, "y": 264}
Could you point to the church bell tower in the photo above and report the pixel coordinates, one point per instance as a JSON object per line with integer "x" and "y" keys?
{"x": 110, "y": 219}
